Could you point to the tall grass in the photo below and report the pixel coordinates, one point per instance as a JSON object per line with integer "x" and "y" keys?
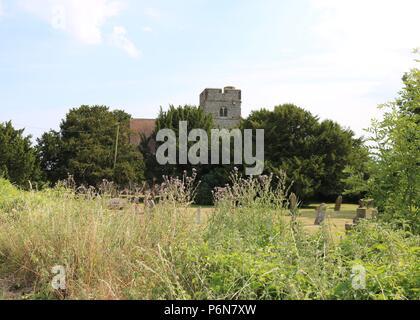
{"x": 107, "y": 254}
{"x": 246, "y": 250}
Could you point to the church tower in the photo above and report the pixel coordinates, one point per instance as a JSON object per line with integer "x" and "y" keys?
{"x": 224, "y": 105}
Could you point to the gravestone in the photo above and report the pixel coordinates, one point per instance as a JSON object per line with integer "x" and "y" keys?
{"x": 338, "y": 204}
{"x": 361, "y": 214}
{"x": 362, "y": 203}
{"x": 320, "y": 214}
{"x": 117, "y": 204}
{"x": 149, "y": 203}
{"x": 198, "y": 216}
{"x": 293, "y": 206}
{"x": 375, "y": 213}
{"x": 293, "y": 202}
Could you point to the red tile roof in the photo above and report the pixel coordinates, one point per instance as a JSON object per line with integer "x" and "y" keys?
{"x": 139, "y": 127}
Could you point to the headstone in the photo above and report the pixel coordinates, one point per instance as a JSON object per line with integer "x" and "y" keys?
{"x": 149, "y": 202}
{"x": 198, "y": 216}
{"x": 338, "y": 204}
{"x": 293, "y": 202}
{"x": 375, "y": 213}
{"x": 361, "y": 203}
{"x": 117, "y": 204}
{"x": 320, "y": 214}
{"x": 370, "y": 203}
{"x": 361, "y": 214}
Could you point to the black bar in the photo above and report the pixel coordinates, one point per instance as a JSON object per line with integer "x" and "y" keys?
{"x": 205, "y": 309}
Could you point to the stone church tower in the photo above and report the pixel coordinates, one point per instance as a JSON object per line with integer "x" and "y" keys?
{"x": 225, "y": 106}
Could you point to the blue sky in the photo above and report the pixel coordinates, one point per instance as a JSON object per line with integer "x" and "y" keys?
{"x": 338, "y": 59}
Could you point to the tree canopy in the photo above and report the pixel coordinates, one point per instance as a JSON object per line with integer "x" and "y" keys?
{"x": 85, "y": 147}
{"x": 393, "y": 179}
{"x": 170, "y": 119}
{"x": 18, "y": 160}
{"x": 210, "y": 176}
{"x": 312, "y": 153}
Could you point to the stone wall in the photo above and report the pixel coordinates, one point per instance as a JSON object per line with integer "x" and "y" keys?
{"x": 213, "y": 100}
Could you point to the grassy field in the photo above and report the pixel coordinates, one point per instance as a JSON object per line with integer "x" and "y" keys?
{"x": 252, "y": 251}
{"x": 336, "y": 221}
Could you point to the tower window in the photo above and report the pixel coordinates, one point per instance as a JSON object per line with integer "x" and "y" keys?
{"x": 223, "y": 112}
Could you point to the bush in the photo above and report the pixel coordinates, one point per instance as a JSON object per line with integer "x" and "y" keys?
{"x": 391, "y": 258}
{"x": 10, "y": 197}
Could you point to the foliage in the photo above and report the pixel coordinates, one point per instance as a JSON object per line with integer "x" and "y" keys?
{"x": 249, "y": 250}
{"x": 11, "y": 197}
{"x": 252, "y": 252}
{"x": 391, "y": 258}
{"x": 210, "y": 176}
{"x": 170, "y": 119}
{"x": 394, "y": 179}
{"x": 85, "y": 148}
{"x": 313, "y": 153}
{"x": 252, "y": 192}
{"x": 179, "y": 191}
{"x": 214, "y": 178}
{"x": 18, "y": 160}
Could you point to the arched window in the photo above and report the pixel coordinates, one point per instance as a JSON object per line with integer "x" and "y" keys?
{"x": 223, "y": 112}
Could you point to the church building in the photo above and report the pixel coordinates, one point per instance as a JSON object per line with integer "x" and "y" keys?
{"x": 225, "y": 105}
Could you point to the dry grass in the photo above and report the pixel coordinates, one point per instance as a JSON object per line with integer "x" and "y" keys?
{"x": 107, "y": 254}
{"x": 336, "y": 221}
{"x": 167, "y": 252}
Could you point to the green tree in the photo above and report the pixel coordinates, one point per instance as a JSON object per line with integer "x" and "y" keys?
{"x": 394, "y": 180}
{"x": 85, "y": 148}
{"x": 210, "y": 176}
{"x": 313, "y": 154}
{"x": 395, "y": 177}
{"x": 18, "y": 160}
{"x": 170, "y": 119}
{"x": 338, "y": 149}
{"x": 289, "y": 137}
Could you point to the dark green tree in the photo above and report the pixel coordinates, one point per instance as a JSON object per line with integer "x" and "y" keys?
{"x": 85, "y": 148}
{"x": 312, "y": 153}
{"x": 210, "y": 176}
{"x": 18, "y": 160}
{"x": 338, "y": 148}
{"x": 170, "y": 119}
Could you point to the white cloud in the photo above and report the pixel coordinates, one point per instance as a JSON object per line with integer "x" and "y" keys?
{"x": 120, "y": 40}
{"x": 82, "y": 19}
{"x": 147, "y": 29}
